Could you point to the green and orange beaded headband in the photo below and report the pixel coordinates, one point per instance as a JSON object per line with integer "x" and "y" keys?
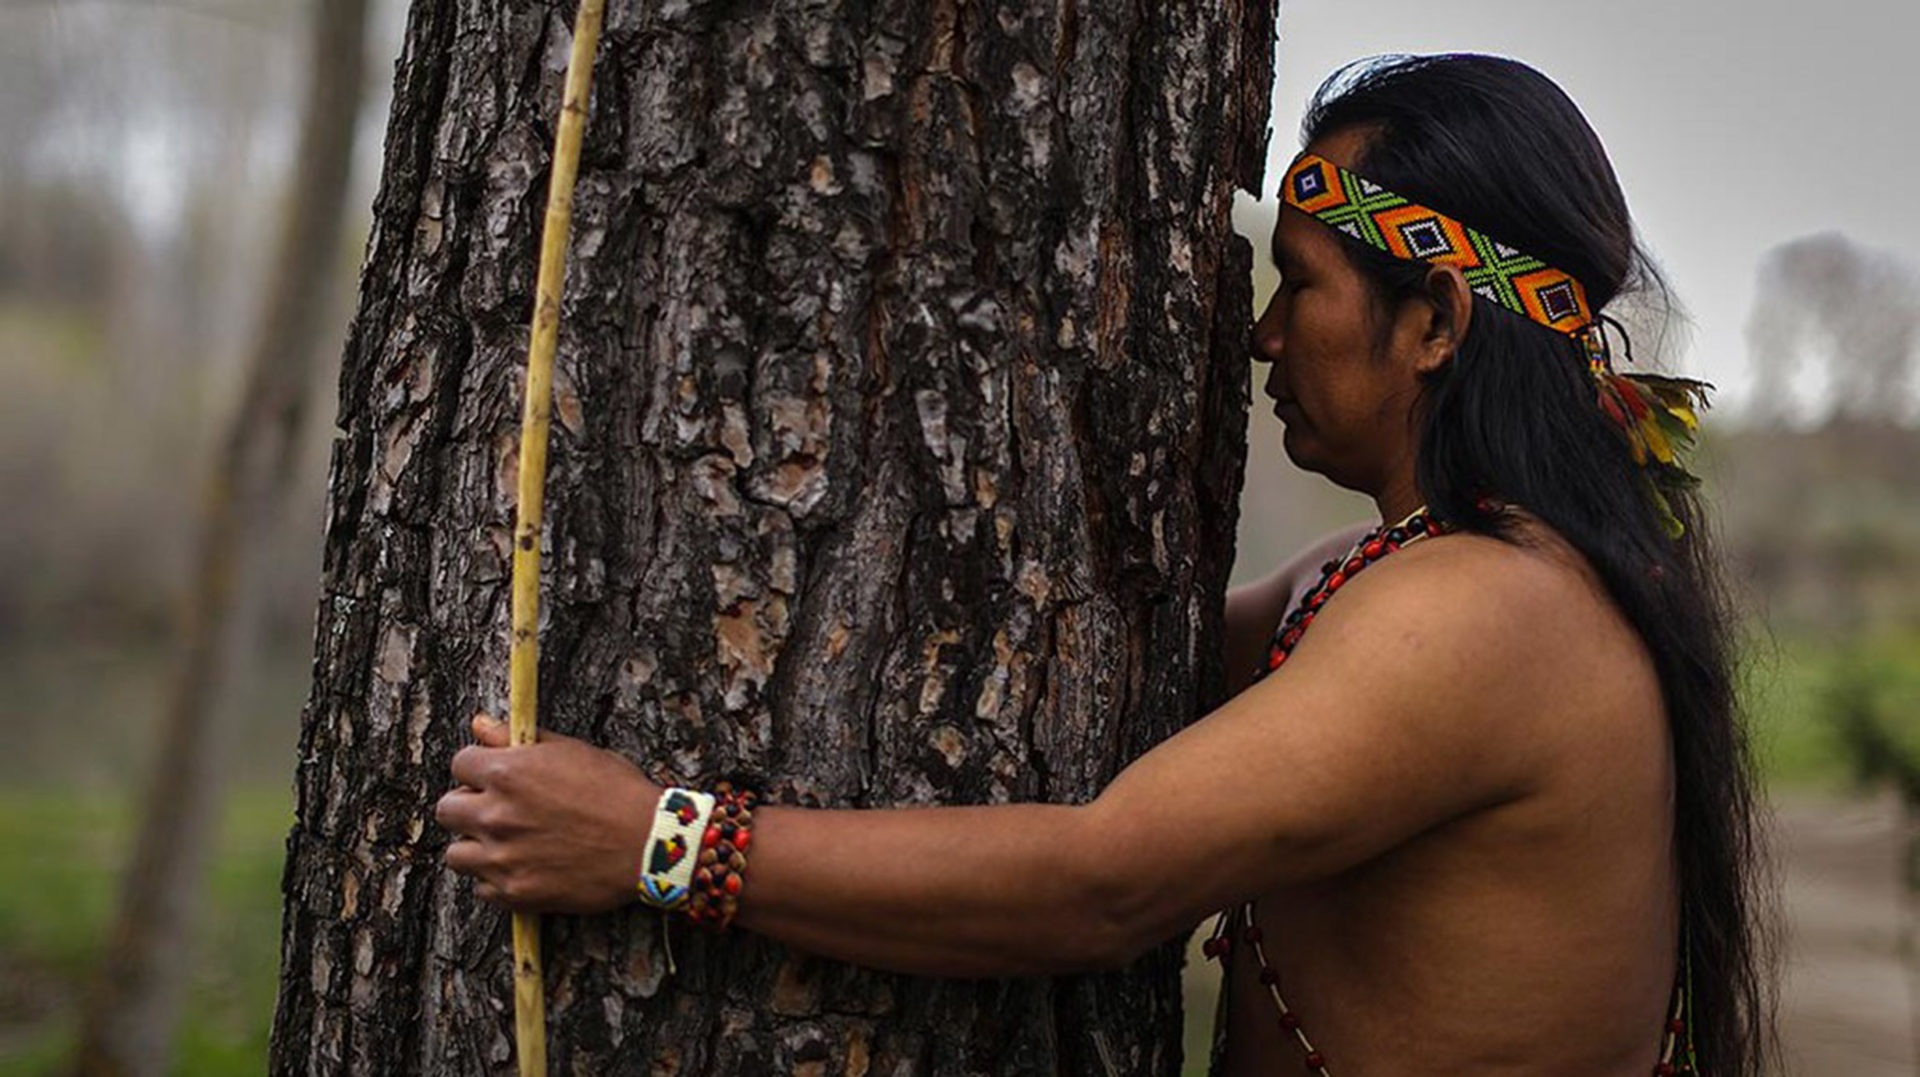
{"x": 1657, "y": 415}
{"x": 1405, "y": 229}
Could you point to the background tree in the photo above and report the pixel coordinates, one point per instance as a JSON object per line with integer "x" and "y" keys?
{"x": 900, "y": 421}
{"x": 1827, "y": 303}
{"x": 137, "y": 994}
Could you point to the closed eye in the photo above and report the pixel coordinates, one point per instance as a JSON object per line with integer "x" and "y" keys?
{"x": 1289, "y": 271}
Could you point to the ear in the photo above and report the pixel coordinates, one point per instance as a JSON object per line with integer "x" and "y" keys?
{"x": 1448, "y": 312}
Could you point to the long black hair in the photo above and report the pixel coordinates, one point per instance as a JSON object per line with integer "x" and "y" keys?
{"x": 1514, "y": 420}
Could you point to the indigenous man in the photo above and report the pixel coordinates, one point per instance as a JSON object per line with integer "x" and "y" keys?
{"x": 1490, "y": 812}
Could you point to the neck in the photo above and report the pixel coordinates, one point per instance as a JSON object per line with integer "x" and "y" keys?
{"x": 1398, "y": 498}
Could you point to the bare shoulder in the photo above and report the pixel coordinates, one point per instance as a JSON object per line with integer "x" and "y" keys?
{"x": 1460, "y": 676}
{"x": 1505, "y": 634}
{"x": 1532, "y": 593}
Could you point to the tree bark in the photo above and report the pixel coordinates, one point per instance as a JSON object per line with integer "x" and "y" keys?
{"x": 900, "y": 421}
{"x": 139, "y": 988}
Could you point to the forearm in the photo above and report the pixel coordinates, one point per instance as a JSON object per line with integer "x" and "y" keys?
{"x": 967, "y": 892}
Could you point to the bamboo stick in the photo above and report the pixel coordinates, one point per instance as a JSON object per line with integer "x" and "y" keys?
{"x": 529, "y": 987}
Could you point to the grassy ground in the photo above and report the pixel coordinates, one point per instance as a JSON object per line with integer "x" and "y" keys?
{"x": 61, "y": 845}
{"x": 60, "y": 856}
{"x": 78, "y": 718}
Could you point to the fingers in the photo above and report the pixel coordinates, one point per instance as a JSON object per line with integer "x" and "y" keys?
{"x": 464, "y": 811}
{"x": 490, "y": 884}
{"x": 475, "y": 860}
{"x": 485, "y": 766}
{"x": 459, "y": 811}
{"x": 468, "y": 857}
{"x": 478, "y": 766}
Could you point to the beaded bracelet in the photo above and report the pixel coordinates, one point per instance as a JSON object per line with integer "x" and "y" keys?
{"x": 667, "y": 859}
{"x": 722, "y": 867}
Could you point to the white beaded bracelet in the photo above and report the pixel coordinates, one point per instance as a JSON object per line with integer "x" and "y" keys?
{"x": 673, "y": 846}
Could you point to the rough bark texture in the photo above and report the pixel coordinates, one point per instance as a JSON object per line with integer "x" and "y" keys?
{"x": 900, "y": 420}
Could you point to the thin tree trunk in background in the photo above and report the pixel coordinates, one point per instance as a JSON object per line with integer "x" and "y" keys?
{"x": 899, "y": 428}
{"x": 140, "y": 987}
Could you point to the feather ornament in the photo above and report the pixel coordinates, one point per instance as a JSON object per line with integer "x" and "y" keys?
{"x": 1660, "y": 418}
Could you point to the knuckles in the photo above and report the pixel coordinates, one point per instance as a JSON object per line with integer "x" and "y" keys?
{"x": 493, "y": 817}
{"x": 497, "y": 770}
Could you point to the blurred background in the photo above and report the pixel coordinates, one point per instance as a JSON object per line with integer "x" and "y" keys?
{"x": 151, "y": 157}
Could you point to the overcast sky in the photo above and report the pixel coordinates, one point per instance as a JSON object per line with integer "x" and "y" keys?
{"x": 1734, "y": 126}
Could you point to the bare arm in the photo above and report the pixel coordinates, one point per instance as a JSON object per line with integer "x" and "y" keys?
{"x": 1405, "y": 707}
{"x": 979, "y": 891}
{"x": 967, "y": 891}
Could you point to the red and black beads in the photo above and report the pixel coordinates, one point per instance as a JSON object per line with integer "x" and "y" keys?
{"x": 721, "y": 869}
{"x": 1334, "y": 575}
{"x": 1221, "y": 945}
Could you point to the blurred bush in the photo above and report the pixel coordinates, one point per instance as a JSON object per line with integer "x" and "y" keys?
{"x": 1872, "y": 699}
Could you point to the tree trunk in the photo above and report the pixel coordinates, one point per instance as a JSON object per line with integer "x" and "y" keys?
{"x": 900, "y": 420}
{"x": 139, "y": 988}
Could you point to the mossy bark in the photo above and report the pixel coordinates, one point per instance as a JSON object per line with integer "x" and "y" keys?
{"x": 899, "y": 428}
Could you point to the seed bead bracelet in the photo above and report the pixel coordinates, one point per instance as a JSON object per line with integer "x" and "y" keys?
{"x": 722, "y": 869}
{"x": 667, "y": 860}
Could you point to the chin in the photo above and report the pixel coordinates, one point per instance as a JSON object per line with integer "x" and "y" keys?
{"x": 1300, "y": 449}
{"x": 1308, "y": 454}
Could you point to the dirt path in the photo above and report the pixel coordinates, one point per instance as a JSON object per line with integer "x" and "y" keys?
{"x": 1847, "y": 1006}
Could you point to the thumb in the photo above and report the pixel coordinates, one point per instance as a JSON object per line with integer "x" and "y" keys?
{"x": 489, "y": 731}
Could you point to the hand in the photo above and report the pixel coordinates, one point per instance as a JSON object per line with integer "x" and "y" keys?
{"x": 555, "y": 826}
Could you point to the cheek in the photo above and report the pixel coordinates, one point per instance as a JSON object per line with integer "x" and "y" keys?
{"x": 1322, "y": 352}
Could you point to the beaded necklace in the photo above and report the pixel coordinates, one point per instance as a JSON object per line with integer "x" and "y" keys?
{"x": 1677, "y": 1055}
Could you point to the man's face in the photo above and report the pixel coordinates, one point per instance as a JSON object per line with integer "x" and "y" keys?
{"x": 1337, "y": 379}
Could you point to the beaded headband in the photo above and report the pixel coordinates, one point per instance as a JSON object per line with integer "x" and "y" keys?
{"x": 1657, "y": 415}
{"x": 1405, "y": 229}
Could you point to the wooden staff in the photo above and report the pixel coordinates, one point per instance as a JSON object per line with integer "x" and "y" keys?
{"x": 529, "y": 988}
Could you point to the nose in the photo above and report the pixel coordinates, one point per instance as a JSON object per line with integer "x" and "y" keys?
{"x": 1269, "y": 338}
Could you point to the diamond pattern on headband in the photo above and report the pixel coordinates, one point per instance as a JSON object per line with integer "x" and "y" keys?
{"x": 1407, "y": 230}
{"x": 1316, "y": 189}
{"x": 1421, "y": 235}
{"x": 1553, "y": 298}
{"x": 1308, "y": 184}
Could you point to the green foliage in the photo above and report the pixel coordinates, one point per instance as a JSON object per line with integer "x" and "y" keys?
{"x": 60, "y": 858}
{"x": 1871, "y": 698}
{"x": 1834, "y": 712}
{"x": 1794, "y": 747}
